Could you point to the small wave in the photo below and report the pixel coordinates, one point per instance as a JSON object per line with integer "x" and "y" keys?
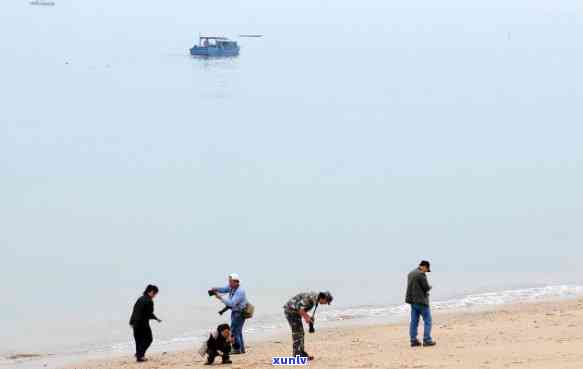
{"x": 21, "y": 357}
{"x": 470, "y": 301}
{"x": 512, "y": 296}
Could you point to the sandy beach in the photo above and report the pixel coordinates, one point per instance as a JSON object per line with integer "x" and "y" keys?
{"x": 541, "y": 335}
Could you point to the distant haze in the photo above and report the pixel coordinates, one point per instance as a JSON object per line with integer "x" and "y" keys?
{"x": 352, "y": 140}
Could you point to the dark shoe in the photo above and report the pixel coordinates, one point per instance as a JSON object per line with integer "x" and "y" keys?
{"x": 237, "y": 352}
{"x": 228, "y": 361}
{"x": 415, "y": 344}
{"x": 429, "y": 343}
{"x": 305, "y": 354}
{"x": 141, "y": 360}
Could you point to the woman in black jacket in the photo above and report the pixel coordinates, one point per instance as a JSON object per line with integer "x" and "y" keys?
{"x": 140, "y": 321}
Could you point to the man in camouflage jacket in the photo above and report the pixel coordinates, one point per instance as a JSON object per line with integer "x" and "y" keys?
{"x": 296, "y": 309}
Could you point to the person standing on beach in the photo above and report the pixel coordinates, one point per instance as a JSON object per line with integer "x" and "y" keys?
{"x": 296, "y": 309}
{"x": 418, "y": 297}
{"x": 140, "y": 321}
{"x": 237, "y": 302}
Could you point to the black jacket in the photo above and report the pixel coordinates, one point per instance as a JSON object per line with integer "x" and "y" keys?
{"x": 417, "y": 288}
{"x": 218, "y": 344}
{"x": 143, "y": 311}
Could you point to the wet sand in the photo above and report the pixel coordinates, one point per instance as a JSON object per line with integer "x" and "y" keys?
{"x": 539, "y": 336}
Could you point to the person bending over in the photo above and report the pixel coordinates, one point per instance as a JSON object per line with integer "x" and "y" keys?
{"x": 296, "y": 309}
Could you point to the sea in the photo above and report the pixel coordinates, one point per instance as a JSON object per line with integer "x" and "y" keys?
{"x": 347, "y": 143}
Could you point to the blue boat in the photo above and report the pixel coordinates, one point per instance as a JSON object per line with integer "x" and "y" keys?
{"x": 215, "y": 46}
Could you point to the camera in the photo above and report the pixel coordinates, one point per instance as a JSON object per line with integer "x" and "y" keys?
{"x": 211, "y": 293}
{"x": 224, "y": 310}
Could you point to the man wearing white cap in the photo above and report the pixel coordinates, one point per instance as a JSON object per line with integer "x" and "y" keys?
{"x": 237, "y": 301}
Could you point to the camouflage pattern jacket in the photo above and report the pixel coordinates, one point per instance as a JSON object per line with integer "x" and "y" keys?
{"x": 306, "y": 301}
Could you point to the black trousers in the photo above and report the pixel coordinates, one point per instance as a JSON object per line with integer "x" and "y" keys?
{"x": 143, "y": 338}
{"x": 212, "y": 354}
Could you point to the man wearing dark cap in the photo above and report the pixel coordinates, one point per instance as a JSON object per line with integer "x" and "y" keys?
{"x": 296, "y": 309}
{"x": 418, "y": 297}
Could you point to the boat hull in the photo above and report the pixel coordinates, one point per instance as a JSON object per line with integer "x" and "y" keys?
{"x": 213, "y": 51}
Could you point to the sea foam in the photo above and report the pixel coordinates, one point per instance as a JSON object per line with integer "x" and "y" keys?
{"x": 478, "y": 300}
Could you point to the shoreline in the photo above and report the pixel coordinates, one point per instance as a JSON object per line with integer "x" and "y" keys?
{"x": 525, "y": 335}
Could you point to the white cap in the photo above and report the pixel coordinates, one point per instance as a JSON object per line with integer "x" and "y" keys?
{"x": 234, "y": 276}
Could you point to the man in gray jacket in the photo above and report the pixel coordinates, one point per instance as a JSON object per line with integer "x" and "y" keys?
{"x": 418, "y": 297}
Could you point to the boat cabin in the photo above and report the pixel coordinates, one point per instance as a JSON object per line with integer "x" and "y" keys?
{"x": 215, "y": 46}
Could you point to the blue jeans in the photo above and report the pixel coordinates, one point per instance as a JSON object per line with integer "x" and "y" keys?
{"x": 418, "y": 310}
{"x": 237, "y": 322}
